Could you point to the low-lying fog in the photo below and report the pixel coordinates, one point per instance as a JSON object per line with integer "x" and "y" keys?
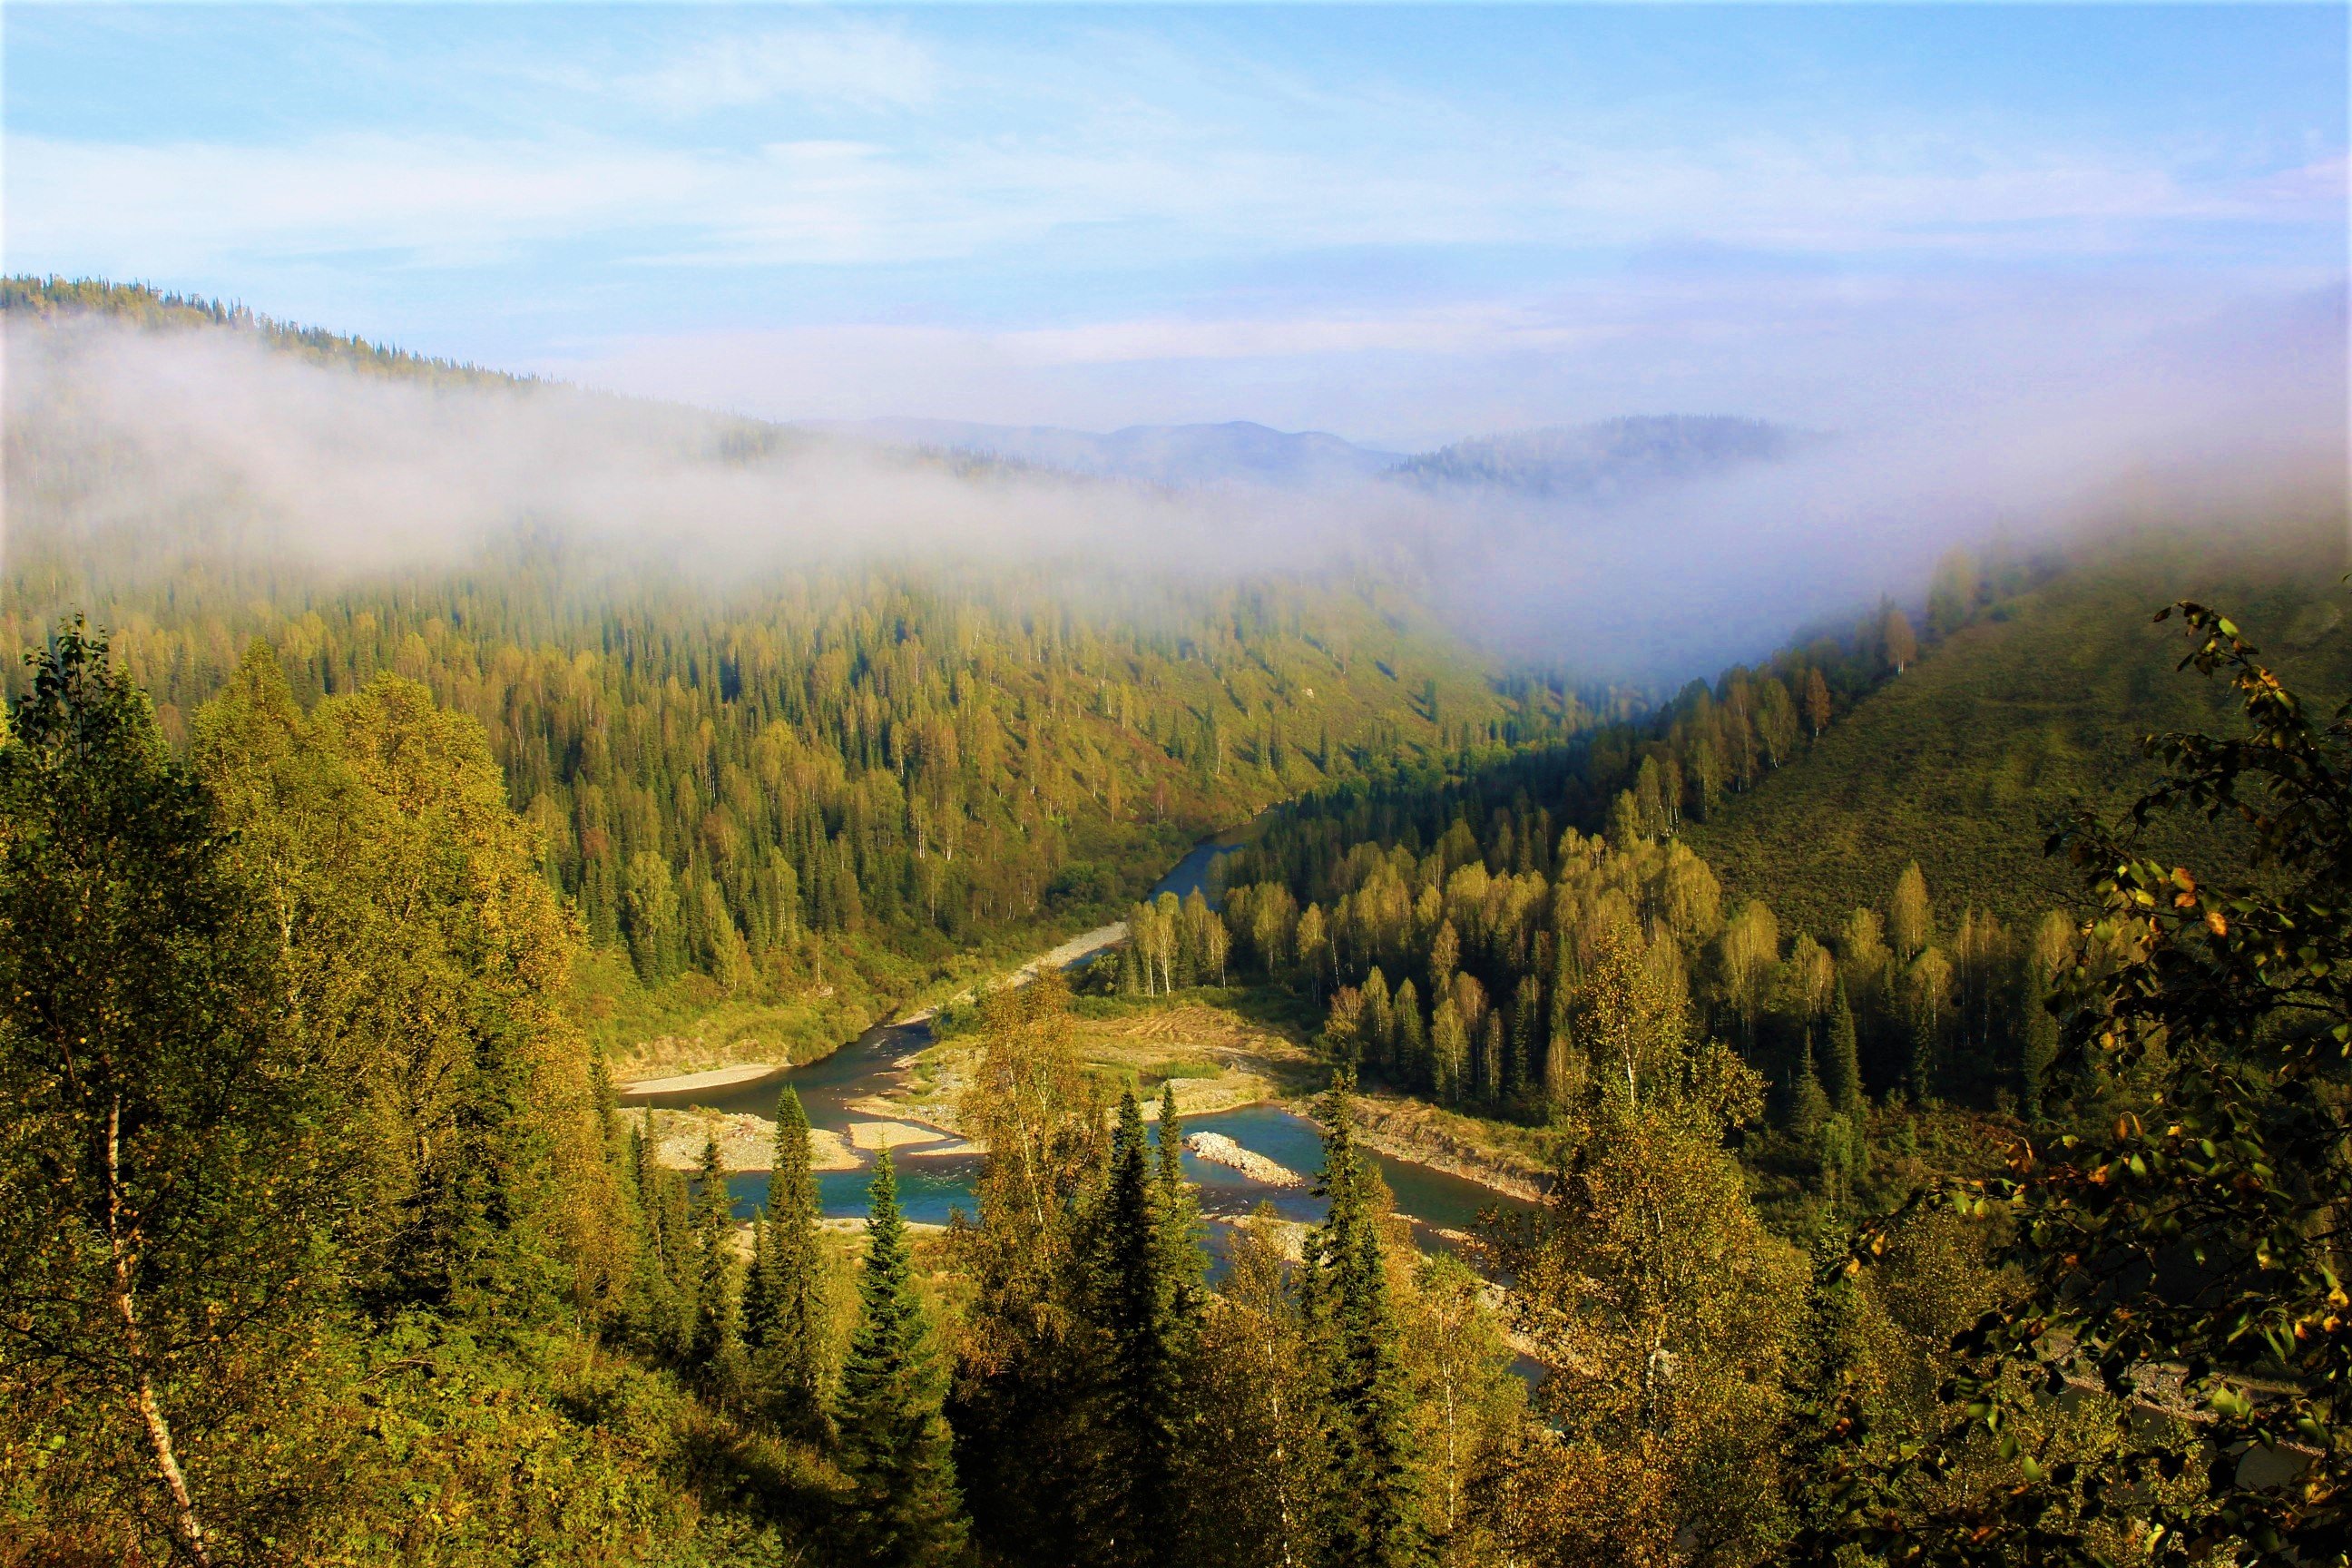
{"x": 213, "y": 437}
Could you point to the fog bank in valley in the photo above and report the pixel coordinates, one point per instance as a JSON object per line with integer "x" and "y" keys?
{"x": 146, "y": 443}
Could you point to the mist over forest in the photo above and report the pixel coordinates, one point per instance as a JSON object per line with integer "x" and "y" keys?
{"x": 1533, "y": 786}
{"x": 1658, "y": 556}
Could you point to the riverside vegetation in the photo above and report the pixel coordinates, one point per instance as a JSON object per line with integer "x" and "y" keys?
{"x": 1927, "y": 1219}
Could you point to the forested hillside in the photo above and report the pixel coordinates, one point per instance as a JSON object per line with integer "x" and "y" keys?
{"x": 2035, "y": 705}
{"x": 2144, "y": 1077}
{"x": 804, "y": 787}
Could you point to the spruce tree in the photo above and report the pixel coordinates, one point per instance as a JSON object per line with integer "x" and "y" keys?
{"x": 1809, "y": 1103}
{"x": 1139, "y": 1304}
{"x": 1843, "y": 1070}
{"x": 759, "y": 1291}
{"x": 715, "y": 1350}
{"x": 904, "y": 1510}
{"x": 1186, "y": 1264}
{"x": 2037, "y": 1050}
{"x": 649, "y": 1309}
{"x": 1829, "y": 1386}
{"x": 791, "y": 1366}
{"x": 1171, "y": 1145}
{"x": 1413, "y": 1064}
{"x": 1370, "y": 1508}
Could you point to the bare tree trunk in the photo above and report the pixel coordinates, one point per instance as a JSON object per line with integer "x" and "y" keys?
{"x": 188, "y": 1529}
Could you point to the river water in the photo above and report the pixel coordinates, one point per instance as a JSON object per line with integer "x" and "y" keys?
{"x": 930, "y": 1185}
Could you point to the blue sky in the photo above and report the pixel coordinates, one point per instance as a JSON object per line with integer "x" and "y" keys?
{"x": 1400, "y": 223}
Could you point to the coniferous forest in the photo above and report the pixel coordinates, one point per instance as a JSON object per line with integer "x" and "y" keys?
{"x": 1907, "y": 1081}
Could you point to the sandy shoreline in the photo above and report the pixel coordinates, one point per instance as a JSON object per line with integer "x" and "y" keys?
{"x": 716, "y": 1077}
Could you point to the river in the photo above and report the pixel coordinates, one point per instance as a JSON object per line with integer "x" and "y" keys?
{"x": 931, "y": 1185}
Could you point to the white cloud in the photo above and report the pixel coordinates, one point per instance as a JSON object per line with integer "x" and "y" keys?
{"x": 948, "y": 190}
{"x": 861, "y": 67}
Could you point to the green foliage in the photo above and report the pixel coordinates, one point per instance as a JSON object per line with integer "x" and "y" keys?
{"x": 785, "y": 1310}
{"x": 168, "y": 1188}
{"x": 894, "y": 1445}
{"x": 2182, "y": 1243}
{"x": 427, "y": 957}
{"x": 1369, "y": 1512}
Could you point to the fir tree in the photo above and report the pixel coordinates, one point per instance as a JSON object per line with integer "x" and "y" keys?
{"x": 2037, "y": 1049}
{"x": 1809, "y": 1103}
{"x": 715, "y": 1350}
{"x": 1413, "y": 1065}
{"x": 1829, "y": 1385}
{"x": 1370, "y": 1508}
{"x": 759, "y": 1289}
{"x": 792, "y": 1341}
{"x": 893, "y": 1444}
{"x": 1843, "y": 1070}
{"x": 1142, "y": 1302}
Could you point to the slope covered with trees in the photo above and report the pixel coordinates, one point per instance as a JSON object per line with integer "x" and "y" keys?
{"x": 2104, "y": 1151}
{"x": 2036, "y": 704}
{"x": 794, "y": 789}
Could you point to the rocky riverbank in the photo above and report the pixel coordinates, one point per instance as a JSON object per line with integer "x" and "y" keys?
{"x": 1407, "y": 1129}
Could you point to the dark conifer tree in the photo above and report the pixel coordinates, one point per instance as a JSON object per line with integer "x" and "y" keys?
{"x": 759, "y": 1291}
{"x": 791, "y": 1339}
{"x": 650, "y": 1308}
{"x": 1809, "y": 1102}
{"x": 1142, "y": 1301}
{"x": 717, "y": 1346}
{"x": 1828, "y": 1382}
{"x": 904, "y": 1507}
{"x": 1842, "y": 1071}
{"x": 1369, "y": 1515}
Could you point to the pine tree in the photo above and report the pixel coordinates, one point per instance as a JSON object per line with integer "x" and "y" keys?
{"x": 1413, "y": 1064}
{"x": 791, "y": 1368}
{"x": 1171, "y": 1140}
{"x": 759, "y": 1291}
{"x": 893, "y": 1444}
{"x": 649, "y": 1307}
{"x": 2053, "y": 944}
{"x": 1368, "y": 1500}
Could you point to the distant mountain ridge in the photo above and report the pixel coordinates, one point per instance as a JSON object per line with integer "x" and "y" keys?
{"x": 1180, "y": 455}
{"x": 1595, "y": 464}
{"x": 1605, "y": 461}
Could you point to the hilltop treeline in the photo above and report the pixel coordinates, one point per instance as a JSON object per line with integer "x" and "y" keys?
{"x": 143, "y": 305}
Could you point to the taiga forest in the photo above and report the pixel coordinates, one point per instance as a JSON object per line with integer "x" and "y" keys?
{"x": 600, "y": 967}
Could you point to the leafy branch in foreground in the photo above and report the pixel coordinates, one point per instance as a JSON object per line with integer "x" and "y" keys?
{"x": 2172, "y": 1384}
